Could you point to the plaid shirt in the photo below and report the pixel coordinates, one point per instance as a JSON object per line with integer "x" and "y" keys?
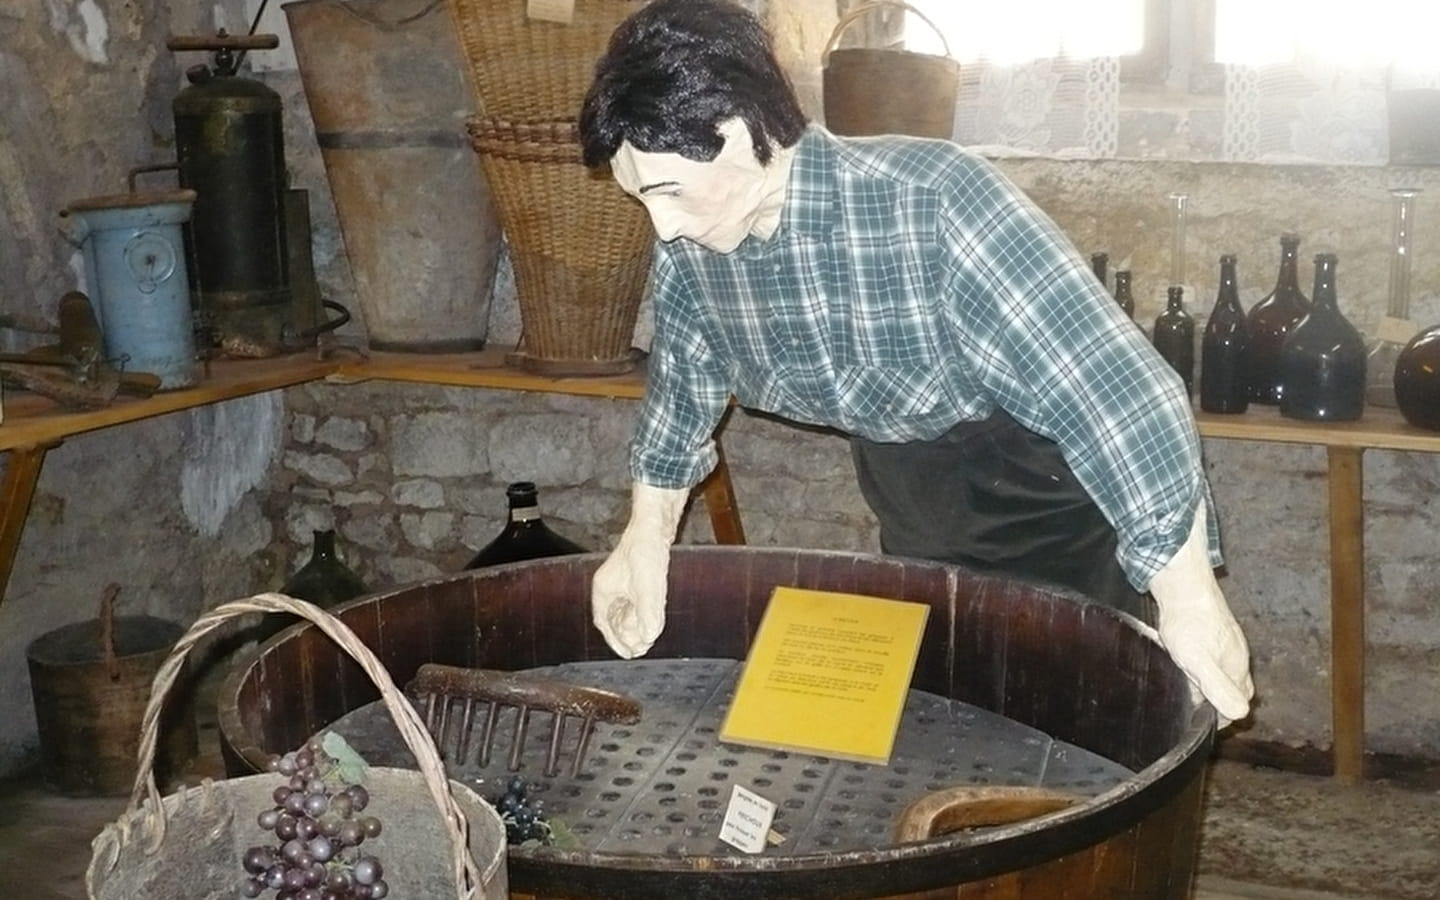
{"x": 909, "y": 287}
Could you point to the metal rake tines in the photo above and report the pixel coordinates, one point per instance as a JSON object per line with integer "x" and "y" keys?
{"x": 442, "y": 688}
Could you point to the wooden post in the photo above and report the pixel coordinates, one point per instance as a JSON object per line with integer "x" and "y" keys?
{"x": 1347, "y": 611}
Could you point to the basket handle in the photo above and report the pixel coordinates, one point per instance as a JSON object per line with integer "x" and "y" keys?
{"x": 467, "y": 877}
{"x": 865, "y": 8}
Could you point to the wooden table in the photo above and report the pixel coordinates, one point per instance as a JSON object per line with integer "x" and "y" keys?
{"x": 33, "y": 425}
{"x": 1345, "y": 444}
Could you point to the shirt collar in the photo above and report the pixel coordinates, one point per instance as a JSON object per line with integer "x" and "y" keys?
{"x": 813, "y": 195}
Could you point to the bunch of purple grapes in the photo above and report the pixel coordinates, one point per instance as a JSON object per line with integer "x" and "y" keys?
{"x": 318, "y": 831}
{"x": 524, "y": 820}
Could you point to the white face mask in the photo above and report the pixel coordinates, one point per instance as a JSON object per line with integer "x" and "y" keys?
{"x": 716, "y": 204}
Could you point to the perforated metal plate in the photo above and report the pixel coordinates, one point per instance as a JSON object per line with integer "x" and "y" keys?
{"x": 661, "y": 787}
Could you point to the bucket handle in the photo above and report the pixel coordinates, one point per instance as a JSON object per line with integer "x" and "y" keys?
{"x": 375, "y": 21}
{"x": 107, "y": 630}
{"x": 865, "y": 8}
{"x": 467, "y": 878}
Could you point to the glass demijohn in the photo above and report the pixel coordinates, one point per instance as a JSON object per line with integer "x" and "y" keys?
{"x": 1395, "y": 329}
{"x": 325, "y": 580}
{"x": 1322, "y": 364}
{"x": 525, "y": 535}
{"x": 1222, "y": 350}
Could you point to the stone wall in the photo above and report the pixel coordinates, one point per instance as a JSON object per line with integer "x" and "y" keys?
{"x": 193, "y": 508}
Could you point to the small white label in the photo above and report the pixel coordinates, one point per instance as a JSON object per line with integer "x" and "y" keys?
{"x": 562, "y": 11}
{"x": 747, "y": 821}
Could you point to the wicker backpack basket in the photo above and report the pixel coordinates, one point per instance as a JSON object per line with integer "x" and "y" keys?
{"x": 441, "y": 839}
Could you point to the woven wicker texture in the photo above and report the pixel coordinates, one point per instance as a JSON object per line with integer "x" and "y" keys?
{"x": 525, "y": 70}
{"x": 441, "y": 839}
{"x": 580, "y": 247}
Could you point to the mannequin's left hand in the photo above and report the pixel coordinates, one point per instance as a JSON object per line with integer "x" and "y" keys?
{"x": 1199, "y": 631}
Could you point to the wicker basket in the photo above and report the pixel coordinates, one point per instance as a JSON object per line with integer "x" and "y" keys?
{"x": 528, "y": 70}
{"x": 579, "y": 246}
{"x": 442, "y": 839}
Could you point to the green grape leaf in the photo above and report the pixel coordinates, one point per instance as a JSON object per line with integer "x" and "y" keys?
{"x": 561, "y": 837}
{"x": 350, "y": 765}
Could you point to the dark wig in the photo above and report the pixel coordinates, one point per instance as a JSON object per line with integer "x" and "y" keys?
{"x": 675, "y": 70}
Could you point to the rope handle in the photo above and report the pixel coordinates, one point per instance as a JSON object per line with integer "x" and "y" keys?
{"x": 411, "y": 728}
{"x": 865, "y": 8}
{"x": 107, "y": 630}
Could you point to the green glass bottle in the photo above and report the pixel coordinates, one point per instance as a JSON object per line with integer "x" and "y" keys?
{"x": 324, "y": 580}
{"x": 1174, "y": 336}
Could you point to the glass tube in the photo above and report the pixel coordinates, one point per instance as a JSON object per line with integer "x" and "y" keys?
{"x": 1178, "y": 203}
{"x": 1395, "y": 329}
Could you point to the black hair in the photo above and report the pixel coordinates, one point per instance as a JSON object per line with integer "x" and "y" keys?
{"x": 674, "y": 70}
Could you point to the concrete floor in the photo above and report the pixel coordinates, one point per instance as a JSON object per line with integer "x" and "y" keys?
{"x": 1267, "y": 835}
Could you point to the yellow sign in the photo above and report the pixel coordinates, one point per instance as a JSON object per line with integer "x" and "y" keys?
{"x": 828, "y": 674}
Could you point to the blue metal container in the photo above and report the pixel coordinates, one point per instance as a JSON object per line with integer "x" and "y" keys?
{"x": 135, "y": 263}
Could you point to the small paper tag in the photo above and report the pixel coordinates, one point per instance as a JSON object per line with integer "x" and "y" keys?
{"x": 562, "y": 11}
{"x": 747, "y": 821}
{"x": 1397, "y": 331}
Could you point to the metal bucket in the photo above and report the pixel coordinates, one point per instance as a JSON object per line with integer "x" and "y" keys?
{"x": 135, "y": 260}
{"x": 386, "y": 89}
{"x": 1081, "y": 673}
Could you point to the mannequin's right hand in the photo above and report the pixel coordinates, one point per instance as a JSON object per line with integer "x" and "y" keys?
{"x": 627, "y": 594}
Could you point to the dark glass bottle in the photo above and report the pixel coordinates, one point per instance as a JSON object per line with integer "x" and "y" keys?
{"x": 1322, "y": 363}
{"x": 1174, "y": 336}
{"x": 1270, "y": 321}
{"x": 1122, "y": 292}
{"x": 1099, "y": 264}
{"x": 1223, "y": 388}
{"x": 525, "y": 536}
{"x": 324, "y": 580}
{"x": 1417, "y": 380}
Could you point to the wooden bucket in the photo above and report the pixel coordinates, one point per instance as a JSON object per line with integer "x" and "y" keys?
{"x": 1080, "y": 672}
{"x": 869, "y": 91}
{"x": 441, "y": 839}
{"x": 89, "y": 681}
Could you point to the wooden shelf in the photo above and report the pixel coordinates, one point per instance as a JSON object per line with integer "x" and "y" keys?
{"x": 484, "y": 369}
{"x": 32, "y": 420}
{"x": 1377, "y": 429}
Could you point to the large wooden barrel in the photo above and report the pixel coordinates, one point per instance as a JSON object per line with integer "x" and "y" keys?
{"x": 1080, "y": 672}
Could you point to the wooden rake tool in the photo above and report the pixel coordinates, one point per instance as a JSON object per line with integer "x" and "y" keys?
{"x": 439, "y": 687}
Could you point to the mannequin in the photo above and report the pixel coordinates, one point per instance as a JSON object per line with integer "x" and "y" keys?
{"x": 1004, "y": 414}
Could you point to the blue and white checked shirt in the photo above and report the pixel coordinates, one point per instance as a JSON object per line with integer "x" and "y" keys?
{"x": 909, "y": 287}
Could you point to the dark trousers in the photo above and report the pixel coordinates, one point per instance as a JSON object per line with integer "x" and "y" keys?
{"x": 996, "y": 497}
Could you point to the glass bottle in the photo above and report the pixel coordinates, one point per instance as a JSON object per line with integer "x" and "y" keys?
{"x": 1222, "y": 350}
{"x": 1100, "y": 265}
{"x": 1417, "y": 380}
{"x": 1174, "y": 336}
{"x": 525, "y": 536}
{"x": 1178, "y": 204}
{"x": 1270, "y": 321}
{"x": 324, "y": 580}
{"x": 1322, "y": 363}
{"x": 1395, "y": 329}
{"x": 1122, "y": 292}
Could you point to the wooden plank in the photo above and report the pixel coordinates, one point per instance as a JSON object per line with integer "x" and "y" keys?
{"x": 31, "y": 419}
{"x": 22, "y": 471}
{"x": 1347, "y": 611}
{"x": 484, "y": 369}
{"x": 1378, "y": 428}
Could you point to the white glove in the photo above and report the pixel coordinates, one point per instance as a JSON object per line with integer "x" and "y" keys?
{"x": 627, "y": 594}
{"x": 1198, "y": 629}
